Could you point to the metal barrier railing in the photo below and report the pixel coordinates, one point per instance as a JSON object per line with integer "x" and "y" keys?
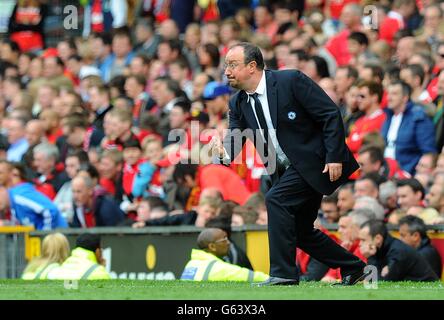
{"x": 13, "y": 255}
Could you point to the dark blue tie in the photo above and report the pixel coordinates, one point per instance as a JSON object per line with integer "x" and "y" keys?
{"x": 261, "y": 119}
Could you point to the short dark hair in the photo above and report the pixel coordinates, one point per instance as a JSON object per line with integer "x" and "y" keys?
{"x": 321, "y": 66}
{"x": 333, "y": 198}
{"x": 377, "y": 70}
{"x": 132, "y": 143}
{"x": 141, "y": 80}
{"x": 213, "y": 52}
{"x": 375, "y": 153}
{"x": 376, "y": 227}
{"x": 415, "y": 224}
{"x": 374, "y": 177}
{"x": 105, "y": 37}
{"x": 183, "y": 104}
{"x": 406, "y": 89}
{"x": 251, "y": 53}
{"x": 359, "y": 37}
{"x": 417, "y": 71}
{"x": 184, "y": 169}
{"x": 352, "y": 72}
{"x": 89, "y": 241}
{"x": 373, "y": 88}
{"x": 414, "y": 184}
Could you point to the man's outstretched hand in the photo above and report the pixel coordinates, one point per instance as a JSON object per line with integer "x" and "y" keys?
{"x": 334, "y": 169}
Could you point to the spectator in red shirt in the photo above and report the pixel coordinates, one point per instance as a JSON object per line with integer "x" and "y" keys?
{"x": 338, "y": 45}
{"x": 117, "y": 127}
{"x": 265, "y": 24}
{"x": 132, "y": 156}
{"x": 211, "y": 176}
{"x": 110, "y": 169}
{"x": 370, "y": 95}
{"x": 51, "y": 123}
{"x": 371, "y": 159}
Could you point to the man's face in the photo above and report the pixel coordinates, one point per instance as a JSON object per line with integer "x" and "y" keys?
{"x": 51, "y": 68}
{"x": 42, "y": 164}
{"x": 161, "y": 94}
{"x": 395, "y": 97}
{"x": 121, "y": 46}
{"x": 404, "y": 49}
{"x": 133, "y": 88}
{"x": 33, "y": 133}
{"x": 204, "y": 213}
{"x": 347, "y": 231}
{"x": 366, "y": 164}
{"x": 164, "y": 52}
{"x": 80, "y": 193}
{"x": 108, "y": 168}
{"x": 365, "y": 188}
{"x": 407, "y": 237}
{"x": 143, "y": 211}
{"x": 72, "y": 166}
{"x": 434, "y": 197}
{"x": 341, "y": 81}
{"x": 236, "y": 71}
{"x": 351, "y": 98}
{"x": 96, "y": 98}
{"x": 407, "y": 198}
{"x": 5, "y": 173}
{"x": 345, "y": 201}
{"x": 199, "y": 83}
{"x": 153, "y": 151}
{"x": 16, "y": 131}
{"x": 330, "y": 210}
{"x": 76, "y": 137}
{"x": 220, "y": 244}
{"x": 177, "y": 118}
{"x": 131, "y": 155}
{"x": 365, "y": 100}
{"x": 367, "y": 244}
{"x": 137, "y": 67}
{"x": 407, "y": 76}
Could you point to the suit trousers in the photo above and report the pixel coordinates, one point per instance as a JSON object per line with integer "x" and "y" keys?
{"x": 292, "y": 206}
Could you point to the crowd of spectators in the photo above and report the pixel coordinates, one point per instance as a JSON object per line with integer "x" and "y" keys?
{"x": 112, "y": 128}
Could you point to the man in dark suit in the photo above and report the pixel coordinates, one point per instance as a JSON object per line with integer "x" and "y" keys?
{"x": 302, "y": 144}
{"x": 393, "y": 259}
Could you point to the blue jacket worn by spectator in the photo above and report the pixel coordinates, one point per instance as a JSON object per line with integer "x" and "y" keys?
{"x": 30, "y": 207}
{"x": 106, "y": 212}
{"x": 416, "y": 136}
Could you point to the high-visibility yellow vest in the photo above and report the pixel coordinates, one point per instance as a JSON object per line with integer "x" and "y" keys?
{"x": 81, "y": 265}
{"x": 41, "y": 273}
{"x": 205, "y": 266}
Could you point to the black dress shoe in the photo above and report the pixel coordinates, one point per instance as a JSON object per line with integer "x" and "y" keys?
{"x": 276, "y": 281}
{"x": 352, "y": 279}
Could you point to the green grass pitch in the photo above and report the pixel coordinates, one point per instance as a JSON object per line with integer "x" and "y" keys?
{"x": 180, "y": 290}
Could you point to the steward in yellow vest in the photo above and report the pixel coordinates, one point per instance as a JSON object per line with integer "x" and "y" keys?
{"x": 207, "y": 264}
{"x": 85, "y": 262}
{"x": 55, "y": 250}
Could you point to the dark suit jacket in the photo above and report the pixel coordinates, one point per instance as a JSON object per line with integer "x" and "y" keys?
{"x": 431, "y": 255}
{"x": 308, "y": 125}
{"x": 106, "y": 211}
{"x": 404, "y": 262}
